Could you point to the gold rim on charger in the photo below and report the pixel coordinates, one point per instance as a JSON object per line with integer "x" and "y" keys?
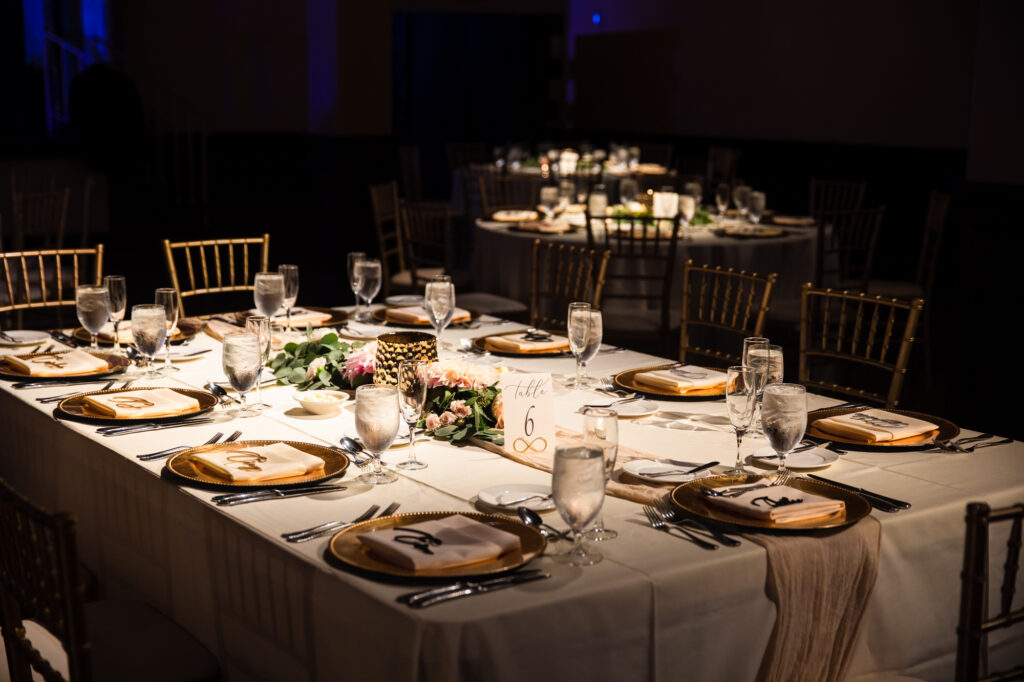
{"x": 185, "y": 467}
{"x": 115, "y": 364}
{"x": 76, "y": 407}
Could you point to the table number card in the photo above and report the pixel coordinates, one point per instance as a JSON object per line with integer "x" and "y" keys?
{"x": 529, "y": 408}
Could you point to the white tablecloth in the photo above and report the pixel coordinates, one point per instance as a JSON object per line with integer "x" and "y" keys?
{"x": 656, "y": 608}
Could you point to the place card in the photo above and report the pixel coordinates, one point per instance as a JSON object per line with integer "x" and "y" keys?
{"x": 528, "y": 402}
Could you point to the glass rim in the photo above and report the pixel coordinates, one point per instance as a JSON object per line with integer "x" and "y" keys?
{"x": 115, "y": 277}
{"x": 150, "y": 306}
{"x": 364, "y": 388}
{"x": 268, "y": 273}
{"x": 90, "y": 287}
{"x": 780, "y": 387}
{"x": 599, "y": 412}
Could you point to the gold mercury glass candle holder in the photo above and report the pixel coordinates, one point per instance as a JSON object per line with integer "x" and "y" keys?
{"x": 396, "y": 347}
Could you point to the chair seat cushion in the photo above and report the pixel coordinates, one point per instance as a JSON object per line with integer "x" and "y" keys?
{"x": 490, "y": 304}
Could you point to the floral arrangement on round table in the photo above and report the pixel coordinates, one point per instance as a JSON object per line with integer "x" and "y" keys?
{"x": 324, "y": 362}
{"x": 463, "y": 402}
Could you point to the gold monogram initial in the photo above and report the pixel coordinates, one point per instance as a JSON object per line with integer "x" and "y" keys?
{"x": 49, "y": 360}
{"x": 246, "y": 460}
{"x": 130, "y": 401}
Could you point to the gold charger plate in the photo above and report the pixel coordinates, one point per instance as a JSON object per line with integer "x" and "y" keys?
{"x": 793, "y": 220}
{"x": 281, "y": 320}
{"x": 76, "y": 408}
{"x": 946, "y": 431}
{"x": 480, "y": 343}
{"x": 513, "y": 216}
{"x": 747, "y": 233}
{"x": 187, "y": 470}
{"x": 186, "y": 329}
{"x": 687, "y": 496}
{"x": 115, "y": 364}
{"x": 627, "y": 380}
{"x": 345, "y": 546}
{"x": 380, "y": 314}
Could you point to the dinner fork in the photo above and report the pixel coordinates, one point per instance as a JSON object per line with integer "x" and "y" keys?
{"x": 672, "y": 515}
{"x": 151, "y": 456}
{"x": 324, "y": 528}
{"x": 58, "y": 398}
{"x": 736, "y": 491}
{"x": 658, "y": 523}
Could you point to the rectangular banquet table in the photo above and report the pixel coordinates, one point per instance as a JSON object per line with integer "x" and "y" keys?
{"x": 656, "y": 608}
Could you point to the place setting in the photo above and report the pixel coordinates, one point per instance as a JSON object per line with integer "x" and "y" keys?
{"x": 880, "y": 430}
{"x": 676, "y": 381}
{"x": 62, "y": 365}
{"x": 524, "y": 343}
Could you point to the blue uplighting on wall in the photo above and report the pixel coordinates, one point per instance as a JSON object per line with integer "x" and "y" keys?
{"x": 35, "y": 26}
{"x": 596, "y": 18}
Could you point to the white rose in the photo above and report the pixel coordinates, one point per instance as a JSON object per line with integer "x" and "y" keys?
{"x": 315, "y": 367}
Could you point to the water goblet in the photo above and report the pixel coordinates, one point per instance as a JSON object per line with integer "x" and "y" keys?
{"x": 291, "y": 289}
{"x": 578, "y": 328}
{"x": 439, "y": 302}
{"x": 740, "y": 401}
{"x": 755, "y": 207}
{"x": 755, "y": 356}
{"x": 168, "y": 298}
{"x": 259, "y": 326}
{"x": 92, "y": 303}
{"x": 268, "y": 293}
{"x": 377, "y": 417}
{"x": 784, "y": 414}
{"x": 628, "y": 189}
{"x": 601, "y": 430}
{"x": 149, "y": 329}
{"x": 118, "y": 292}
{"x": 577, "y": 487}
{"x": 368, "y": 272}
{"x": 412, "y": 394}
{"x": 242, "y": 364}
{"x": 353, "y": 278}
{"x": 548, "y": 201}
{"x": 695, "y": 190}
{"x": 775, "y": 365}
{"x": 740, "y": 197}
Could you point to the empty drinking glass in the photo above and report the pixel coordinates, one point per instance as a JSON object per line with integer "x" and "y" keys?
{"x": 578, "y": 327}
{"x": 353, "y": 280}
{"x": 740, "y": 401}
{"x": 149, "y": 329}
{"x": 601, "y": 430}
{"x": 268, "y": 293}
{"x": 439, "y": 302}
{"x": 259, "y": 326}
{"x": 412, "y": 393}
{"x": 291, "y": 288}
{"x": 118, "y": 293}
{"x": 242, "y": 360}
{"x": 377, "y": 418}
{"x": 577, "y": 487}
{"x": 168, "y": 298}
{"x": 784, "y": 415}
{"x": 92, "y": 303}
{"x": 755, "y": 207}
{"x": 368, "y": 273}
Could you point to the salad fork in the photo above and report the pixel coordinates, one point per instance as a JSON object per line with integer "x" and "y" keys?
{"x": 330, "y": 526}
{"x": 658, "y": 523}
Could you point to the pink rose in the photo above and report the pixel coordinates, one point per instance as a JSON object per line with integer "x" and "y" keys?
{"x": 460, "y": 408}
{"x": 498, "y": 410}
{"x": 433, "y": 422}
{"x": 447, "y": 418}
{"x": 315, "y": 367}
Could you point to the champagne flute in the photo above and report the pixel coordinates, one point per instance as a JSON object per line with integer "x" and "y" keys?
{"x": 149, "y": 329}
{"x": 775, "y": 365}
{"x": 369, "y": 274}
{"x": 118, "y": 292}
{"x": 740, "y": 401}
{"x": 755, "y": 207}
{"x": 722, "y": 194}
{"x": 439, "y": 302}
{"x": 594, "y": 335}
{"x": 353, "y": 278}
{"x": 755, "y": 356}
{"x": 92, "y": 303}
{"x": 259, "y": 326}
{"x": 785, "y": 418}
{"x": 577, "y": 487}
{"x": 601, "y": 430}
{"x": 412, "y": 393}
{"x": 291, "y": 288}
{"x": 168, "y": 298}
{"x": 578, "y": 328}
{"x": 268, "y": 293}
{"x": 241, "y": 359}
{"x": 377, "y": 418}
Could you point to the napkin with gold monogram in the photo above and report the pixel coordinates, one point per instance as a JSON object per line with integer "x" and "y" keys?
{"x": 124, "y": 332}
{"x": 526, "y": 343}
{"x": 779, "y": 504}
{"x": 682, "y": 379}
{"x": 243, "y": 464}
{"x": 415, "y": 314}
{"x": 875, "y": 426}
{"x": 142, "y": 404}
{"x": 440, "y": 543}
{"x": 71, "y": 363}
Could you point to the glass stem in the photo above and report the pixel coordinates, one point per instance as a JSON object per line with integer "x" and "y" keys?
{"x": 739, "y": 443}
{"x": 577, "y": 543}
{"x": 412, "y": 442}
{"x": 117, "y": 338}
{"x": 167, "y": 353}
{"x": 288, "y": 314}
{"x": 579, "y": 370}
{"x": 241, "y": 399}
{"x": 377, "y": 468}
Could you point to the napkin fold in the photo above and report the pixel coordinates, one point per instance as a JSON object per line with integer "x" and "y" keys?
{"x": 415, "y": 314}
{"x": 464, "y": 541}
{"x": 71, "y": 363}
{"x": 143, "y": 404}
{"x": 875, "y": 426}
{"x": 124, "y": 332}
{"x": 260, "y": 463}
{"x": 519, "y": 343}
{"x": 300, "y": 317}
{"x": 758, "y": 504}
{"x": 513, "y": 215}
{"x": 669, "y": 380}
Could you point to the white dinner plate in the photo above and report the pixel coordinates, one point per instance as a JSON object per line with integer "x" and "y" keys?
{"x": 635, "y": 410}
{"x": 23, "y": 337}
{"x": 404, "y": 300}
{"x": 506, "y": 496}
{"x": 815, "y": 458}
{"x": 641, "y": 467}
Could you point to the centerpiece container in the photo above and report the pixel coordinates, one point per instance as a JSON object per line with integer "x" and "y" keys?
{"x": 396, "y": 347}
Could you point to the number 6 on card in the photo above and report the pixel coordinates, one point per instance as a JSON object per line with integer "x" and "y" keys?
{"x": 529, "y": 409}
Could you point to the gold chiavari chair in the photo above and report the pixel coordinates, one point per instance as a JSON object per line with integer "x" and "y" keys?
{"x": 46, "y": 278}
{"x": 972, "y": 662}
{"x": 385, "y": 221}
{"x": 50, "y": 629}
{"x": 835, "y": 195}
{"x": 561, "y": 274}
{"x": 869, "y": 337}
{"x": 426, "y": 229}
{"x": 222, "y": 256}
{"x": 40, "y": 218}
{"x": 846, "y": 246}
{"x": 501, "y": 192}
{"x": 722, "y": 306}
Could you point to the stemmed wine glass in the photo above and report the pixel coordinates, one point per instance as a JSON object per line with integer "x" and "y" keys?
{"x": 117, "y": 290}
{"x": 149, "y": 329}
{"x": 740, "y": 197}
{"x": 368, "y": 274}
{"x": 268, "y": 293}
{"x": 577, "y": 487}
{"x": 755, "y": 356}
{"x": 601, "y": 430}
{"x": 578, "y": 328}
{"x": 439, "y": 302}
{"x": 168, "y": 298}
{"x": 695, "y": 190}
{"x": 548, "y": 201}
{"x": 353, "y": 281}
{"x": 785, "y": 418}
{"x": 775, "y": 366}
{"x": 291, "y": 289}
{"x": 242, "y": 359}
{"x": 755, "y": 207}
{"x": 412, "y": 393}
{"x": 740, "y": 401}
{"x": 259, "y": 326}
{"x": 594, "y": 334}
{"x": 377, "y": 418}
{"x": 628, "y": 189}
{"x": 722, "y": 194}
{"x": 92, "y": 303}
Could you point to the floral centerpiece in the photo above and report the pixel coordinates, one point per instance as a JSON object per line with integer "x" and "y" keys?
{"x": 323, "y": 361}
{"x": 463, "y": 402}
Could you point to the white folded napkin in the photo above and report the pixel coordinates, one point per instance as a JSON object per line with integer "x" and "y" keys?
{"x": 875, "y": 426}
{"x": 124, "y": 332}
{"x": 143, "y": 403}
{"x": 682, "y": 382}
{"x": 71, "y": 363}
{"x": 758, "y": 504}
{"x": 415, "y": 314}
{"x": 514, "y": 215}
{"x": 259, "y": 463}
{"x": 545, "y": 226}
{"x": 300, "y": 317}
{"x": 519, "y": 343}
{"x": 464, "y": 541}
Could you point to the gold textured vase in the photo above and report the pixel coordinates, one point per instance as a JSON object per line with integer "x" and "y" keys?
{"x": 396, "y": 347}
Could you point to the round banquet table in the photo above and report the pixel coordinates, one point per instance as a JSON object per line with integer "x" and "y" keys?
{"x": 502, "y": 258}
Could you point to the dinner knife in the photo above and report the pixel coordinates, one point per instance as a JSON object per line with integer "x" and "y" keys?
{"x": 231, "y": 499}
{"x": 126, "y": 431}
{"x": 48, "y": 384}
{"x": 899, "y": 504}
{"x": 412, "y": 598}
{"x": 479, "y": 588}
{"x": 694, "y": 470}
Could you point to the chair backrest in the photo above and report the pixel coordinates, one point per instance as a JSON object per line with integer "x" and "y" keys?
{"x": 846, "y": 246}
{"x": 511, "y": 191}
{"x": 46, "y": 279}
{"x": 931, "y": 243}
{"x": 721, "y": 167}
{"x": 40, "y": 218}
{"x": 409, "y": 172}
{"x": 560, "y": 274}
{"x": 385, "y": 221}
{"x": 870, "y": 335}
{"x": 724, "y": 306}
{"x": 465, "y": 153}
{"x": 221, "y": 256}
{"x": 39, "y": 581}
{"x": 975, "y": 624}
{"x": 427, "y": 238}
{"x": 835, "y": 195}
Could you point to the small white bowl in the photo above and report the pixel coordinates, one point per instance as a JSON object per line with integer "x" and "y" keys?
{"x": 321, "y": 402}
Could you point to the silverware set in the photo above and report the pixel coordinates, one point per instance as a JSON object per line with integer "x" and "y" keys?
{"x": 658, "y": 523}
{"x": 307, "y": 534}
{"x": 145, "y": 427}
{"x": 804, "y": 446}
{"x": 162, "y": 454}
{"x": 685, "y": 472}
{"x": 673, "y": 515}
{"x": 632, "y": 397}
{"x": 64, "y": 396}
{"x": 966, "y": 445}
{"x": 468, "y": 588}
{"x": 232, "y": 499}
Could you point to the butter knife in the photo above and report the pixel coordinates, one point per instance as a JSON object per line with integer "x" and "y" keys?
{"x": 479, "y": 588}
{"x": 891, "y": 501}
{"x": 231, "y": 499}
